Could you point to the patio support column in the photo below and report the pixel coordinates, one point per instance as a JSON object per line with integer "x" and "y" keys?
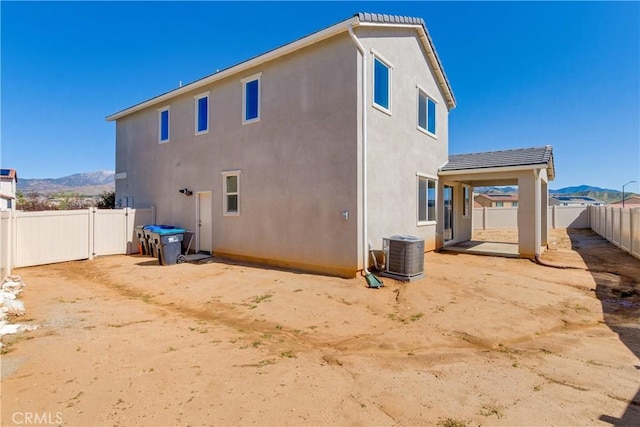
{"x": 544, "y": 193}
{"x": 440, "y": 214}
{"x": 527, "y": 214}
{"x": 538, "y": 211}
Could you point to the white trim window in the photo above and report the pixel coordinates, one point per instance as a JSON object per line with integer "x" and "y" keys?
{"x": 201, "y": 102}
{"x": 251, "y": 98}
{"x": 426, "y": 113}
{"x": 382, "y": 71}
{"x": 231, "y": 193}
{"x": 427, "y": 189}
{"x": 163, "y": 124}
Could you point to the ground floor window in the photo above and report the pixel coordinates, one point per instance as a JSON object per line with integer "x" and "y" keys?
{"x": 426, "y": 200}
{"x": 231, "y": 192}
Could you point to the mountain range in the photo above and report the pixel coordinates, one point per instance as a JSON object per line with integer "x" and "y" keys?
{"x": 94, "y": 183}
{"x": 604, "y": 194}
{"x": 86, "y": 184}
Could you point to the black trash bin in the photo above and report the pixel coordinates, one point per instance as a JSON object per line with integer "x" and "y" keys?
{"x": 143, "y": 247}
{"x": 169, "y": 245}
{"x": 148, "y": 240}
{"x": 152, "y": 236}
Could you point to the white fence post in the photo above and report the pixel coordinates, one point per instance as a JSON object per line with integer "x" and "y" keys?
{"x": 6, "y": 243}
{"x": 92, "y": 220}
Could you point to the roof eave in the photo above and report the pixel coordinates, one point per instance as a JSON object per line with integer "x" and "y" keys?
{"x": 296, "y": 45}
{"x": 265, "y": 57}
{"x": 493, "y": 169}
{"x": 432, "y": 55}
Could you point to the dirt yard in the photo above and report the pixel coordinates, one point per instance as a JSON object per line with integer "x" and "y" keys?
{"x": 479, "y": 341}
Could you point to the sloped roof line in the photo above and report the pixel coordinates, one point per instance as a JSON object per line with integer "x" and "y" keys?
{"x": 520, "y": 157}
{"x": 408, "y": 20}
{"x": 315, "y": 37}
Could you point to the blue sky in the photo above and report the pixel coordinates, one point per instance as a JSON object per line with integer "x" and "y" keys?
{"x": 524, "y": 74}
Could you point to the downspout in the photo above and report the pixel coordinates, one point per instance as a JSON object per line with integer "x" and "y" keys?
{"x": 365, "y": 213}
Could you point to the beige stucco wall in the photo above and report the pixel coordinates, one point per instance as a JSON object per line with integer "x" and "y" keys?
{"x": 397, "y": 150}
{"x": 299, "y": 163}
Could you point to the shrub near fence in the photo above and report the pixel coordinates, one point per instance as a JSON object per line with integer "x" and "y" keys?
{"x": 619, "y": 226}
{"x": 36, "y": 238}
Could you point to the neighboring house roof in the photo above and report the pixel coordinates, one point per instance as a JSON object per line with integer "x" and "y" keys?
{"x": 632, "y": 200}
{"x": 9, "y": 173}
{"x": 359, "y": 19}
{"x": 576, "y": 199}
{"x": 522, "y": 157}
{"x": 500, "y": 197}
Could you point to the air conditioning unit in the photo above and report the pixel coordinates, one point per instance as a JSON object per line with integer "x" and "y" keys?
{"x": 405, "y": 258}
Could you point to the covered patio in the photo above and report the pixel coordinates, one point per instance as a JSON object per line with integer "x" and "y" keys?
{"x": 530, "y": 169}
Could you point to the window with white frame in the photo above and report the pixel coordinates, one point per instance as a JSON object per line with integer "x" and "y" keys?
{"x": 426, "y": 113}
{"x": 202, "y": 113}
{"x": 163, "y": 125}
{"x": 381, "y": 83}
{"x": 426, "y": 200}
{"x": 231, "y": 192}
{"x": 251, "y": 98}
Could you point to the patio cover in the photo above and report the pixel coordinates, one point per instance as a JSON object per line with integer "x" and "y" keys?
{"x": 529, "y": 168}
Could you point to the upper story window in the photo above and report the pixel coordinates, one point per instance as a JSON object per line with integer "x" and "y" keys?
{"x": 202, "y": 113}
{"x": 381, "y": 83}
{"x": 426, "y": 113}
{"x": 426, "y": 200}
{"x": 163, "y": 124}
{"x": 251, "y": 98}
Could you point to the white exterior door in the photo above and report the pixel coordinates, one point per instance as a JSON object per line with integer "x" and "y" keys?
{"x": 203, "y": 222}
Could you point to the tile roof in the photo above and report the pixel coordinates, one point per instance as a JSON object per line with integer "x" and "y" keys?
{"x": 9, "y": 173}
{"x": 631, "y": 200}
{"x": 389, "y": 19}
{"x": 500, "y": 197}
{"x": 502, "y": 159}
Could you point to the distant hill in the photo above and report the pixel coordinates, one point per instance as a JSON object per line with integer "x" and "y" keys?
{"x": 603, "y": 194}
{"x": 86, "y": 184}
{"x": 582, "y": 189}
{"x": 495, "y": 190}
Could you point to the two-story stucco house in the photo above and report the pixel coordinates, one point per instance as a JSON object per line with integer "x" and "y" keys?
{"x": 8, "y": 184}
{"x": 306, "y": 156}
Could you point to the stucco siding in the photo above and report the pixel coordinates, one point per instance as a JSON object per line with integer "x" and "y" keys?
{"x": 397, "y": 150}
{"x": 298, "y": 163}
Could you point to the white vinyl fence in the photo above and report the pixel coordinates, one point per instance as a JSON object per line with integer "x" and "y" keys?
{"x": 36, "y": 238}
{"x": 619, "y": 226}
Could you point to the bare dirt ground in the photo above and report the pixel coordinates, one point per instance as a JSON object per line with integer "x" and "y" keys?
{"x": 479, "y": 341}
